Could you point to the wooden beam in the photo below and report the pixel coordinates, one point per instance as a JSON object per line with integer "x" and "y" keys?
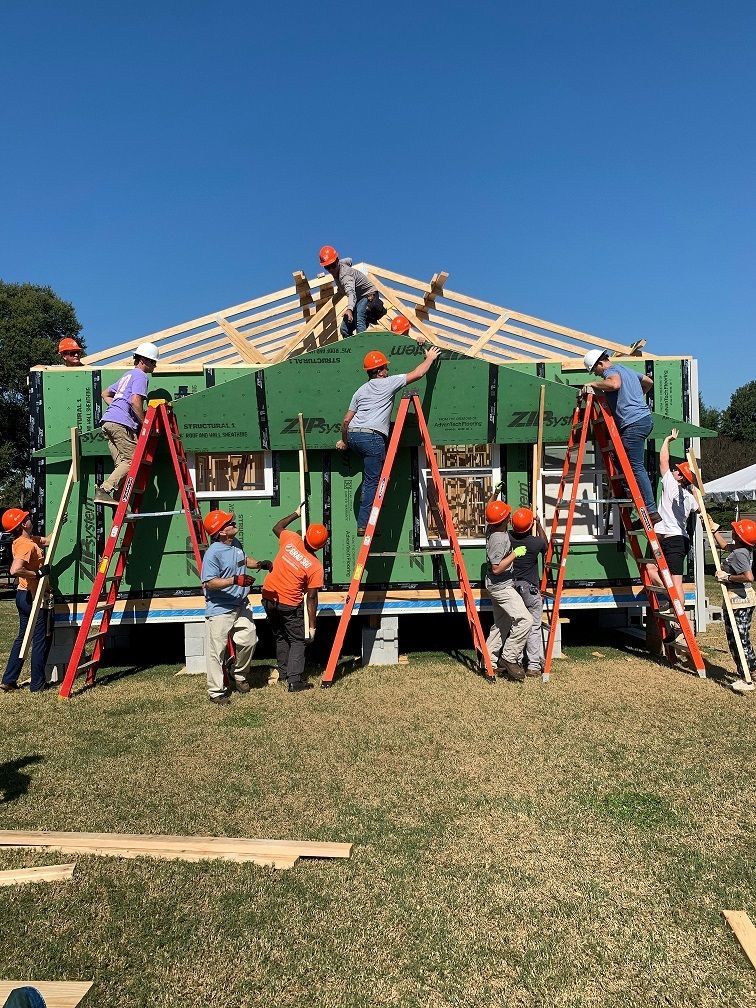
{"x": 745, "y": 932}
{"x": 42, "y": 873}
{"x": 305, "y": 331}
{"x": 247, "y": 352}
{"x": 429, "y": 297}
{"x": 55, "y": 993}
{"x": 487, "y": 335}
{"x": 304, "y": 292}
{"x": 393, "y": 299}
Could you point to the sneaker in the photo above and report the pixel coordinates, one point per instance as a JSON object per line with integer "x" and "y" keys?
{"x": 9, "y": 687}
{"x": 219, "y": 698}
{"x": 534, "y": 673}
{"x": 300, "y": 687}
{"x": 241, "y": 685}
{"x": 514, "y": 671}
{"x": 106, "y": 497}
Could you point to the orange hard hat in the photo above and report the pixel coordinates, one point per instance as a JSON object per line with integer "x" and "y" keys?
{"x": 374, "y": 359}
{"x": 400, "y": 325}
{"x": 215, "y": 520}
{"x": 522, "y": 520}
{"x": 744, "y": 529}
{"x": 14, "y": 517}
{"x": 68, "y": 344}
{"x": 497, "y": 511}
{"x": 685, "y": 471}
{"x": 316, "y": 536}
{"x": 328, "y": 255}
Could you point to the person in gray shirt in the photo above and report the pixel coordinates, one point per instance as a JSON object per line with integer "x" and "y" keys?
{"x": 737, "y": 574}
{"x": 365, "y": 427}
{"x": 364, "y": 305}
{"x": 512, "y": 621}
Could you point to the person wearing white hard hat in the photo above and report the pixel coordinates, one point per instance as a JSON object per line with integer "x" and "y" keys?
{"x": 625, "y": 393}
{"x": 123, "y": 418}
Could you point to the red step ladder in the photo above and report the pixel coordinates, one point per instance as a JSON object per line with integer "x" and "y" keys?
{"x": 479, "y": 641}
{"x": 592, "y": 416}
{"x": 159, "y": 422}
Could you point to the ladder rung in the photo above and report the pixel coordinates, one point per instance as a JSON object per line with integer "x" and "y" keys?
{"x": 94, "y": 636}
{"x": 641, "y": 560}
{"x": 88, "y": 664}
{"x": 103, "y": 605}
{"x": 130, "y": 516}
{"x": 428, "y": 552}
{"x": 656, "y": 589}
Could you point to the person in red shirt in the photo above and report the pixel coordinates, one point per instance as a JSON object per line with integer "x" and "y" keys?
{"x": 296, "y": 571}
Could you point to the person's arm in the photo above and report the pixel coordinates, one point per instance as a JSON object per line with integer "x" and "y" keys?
{"x": 744, "y": 576}
{"x": 137, "y": 407}
{"x": 342, "y": 443}
{"x": 647, "y": 383}
{"x": 611, "y": 384}
{"x": 431, "y": 356}
{"x": 664, "y": 453}
{"x": 219, "y": 583}
{"x": 108, "y": 395}
{"x": 719, "y": 539}
{"x": 281, "y": 525}
{"x": 347, "y": 282}
{"x": 508, "y": 560}
{"x": 19, "y": 569}
{"x": 258, "y": 564}
{"x": 312, "y": 609}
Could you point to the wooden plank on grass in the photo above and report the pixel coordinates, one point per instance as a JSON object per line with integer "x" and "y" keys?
{"x": 56, "y": 993}
{"x": 744, "y": 931}
{"x": 42, "y": 873}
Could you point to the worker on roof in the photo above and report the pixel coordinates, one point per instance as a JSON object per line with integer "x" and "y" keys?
{"x": 227, "y": 614}
{"x": 364, "y": 305}
{"x": 365, "y": 427}
{"x": 71, "y": 352}
{"x": 294, "y": 581}
{"x": 126, "y": 401}
{"x": 27, "y": 567}
{"x": 625, "y": 392}
{"x": 528, "y": 532}
{"x": 512, "y": 621}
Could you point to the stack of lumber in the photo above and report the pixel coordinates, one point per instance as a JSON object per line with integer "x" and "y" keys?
{"x": 43, "y": 873}
{"x": 271, "y": 853}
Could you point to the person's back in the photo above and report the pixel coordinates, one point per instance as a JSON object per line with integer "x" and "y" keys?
{"x": 373, "y": 402}
{"x": 295, "y": 571}
{"x": 525, "y": 568}
{"x": 628, "y": 403}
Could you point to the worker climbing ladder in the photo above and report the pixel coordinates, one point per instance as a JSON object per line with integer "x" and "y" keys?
{"x": 592, "y": 417}
{"x": 159, "y": 422}
{"x": 446, "y": 523}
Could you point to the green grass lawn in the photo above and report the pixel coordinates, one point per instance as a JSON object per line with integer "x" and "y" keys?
{"x": 570, "y": 844}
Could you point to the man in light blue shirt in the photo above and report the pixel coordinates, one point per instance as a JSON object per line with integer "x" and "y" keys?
{"x": 625, "y": 392}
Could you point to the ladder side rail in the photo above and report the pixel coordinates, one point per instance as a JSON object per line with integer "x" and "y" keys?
{"x": 578, "y": 415}
{"x": 188, "y": 495}
{"x": 362, "y": 555}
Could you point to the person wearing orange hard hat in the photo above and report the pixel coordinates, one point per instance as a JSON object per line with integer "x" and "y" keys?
{"x": 27, "y": 566}
{"x": 365, "y": 427}
{"x": 364, "y": 305}
{"x": 296, "y": 576}
{"x": 527, "y": 581}
{"x": 737, "y": 575}
{"x": 71, "y": 352}
{"x": 226, "y": 583}
{"x": 512, "y": 621}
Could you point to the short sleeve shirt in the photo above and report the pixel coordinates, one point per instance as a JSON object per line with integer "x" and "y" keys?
{"x": 738, "y": 561}
{"x": 628, "y": 403}
{"x": 372, "y": 403}
{"x": 498, "y": 545}
{"x": 29, "y": 551}
{"x": 223, "y": 561}
{"x": 675, "y": 506}
{"x": 525, "y": 568}
{"x": 134, "y": 382}
{"x": 295, "y": 570}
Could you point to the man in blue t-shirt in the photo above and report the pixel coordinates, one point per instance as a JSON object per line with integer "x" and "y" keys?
{"x": 123, "y": 418}
{"x": 625, "y": 392}
{"x": 365, "y": 427}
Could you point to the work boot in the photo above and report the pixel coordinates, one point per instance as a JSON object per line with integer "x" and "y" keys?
{"x": 219, "y": 698}
{"x": 533, "y": 672}
{"x": 242, "y": 686}
{"x": 8, "y": 687}
{"x": 299, "y": 687}
{"x": 107, "y": 497}
{"x": 514, "y": 671}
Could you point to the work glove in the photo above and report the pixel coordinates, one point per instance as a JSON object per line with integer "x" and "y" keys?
{"x": 519, "y": 551}
{"x": 721, "y": 575}
{"x": 244, "y": 580}
{"x": 266, "y": 565}
{"x": 311, "y": 634}
{"x": 585, "y": 390}
{"x": 44, "y": 570}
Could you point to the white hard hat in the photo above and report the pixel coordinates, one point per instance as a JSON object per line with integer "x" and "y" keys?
{"x": 592, "y": 358}
{"x": 148, "y": 350}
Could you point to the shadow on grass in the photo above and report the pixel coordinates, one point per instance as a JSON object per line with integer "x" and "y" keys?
{"x": 14, "y": 783}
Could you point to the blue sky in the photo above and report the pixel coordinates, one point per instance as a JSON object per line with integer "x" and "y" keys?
{"x": 590, "y": 163}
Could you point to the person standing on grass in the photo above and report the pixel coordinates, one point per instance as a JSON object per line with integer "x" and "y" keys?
{"x": 122, "y": 419}
{"x": 226, "y": 583}
{"x": 527, "y": 581}
{"x": 625, "y": 392}
{"x": 28, "y": 568}
{"x": 365, "y": 427}
{"x": 737, "y": 575}
{"x": 512, "y": 621}
{"x": 296, "y": 572}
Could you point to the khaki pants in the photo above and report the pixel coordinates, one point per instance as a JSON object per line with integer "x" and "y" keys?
{"x": 240, "y": 625}
{"x": 512, "y": 624}
{"x": 122, "y": 442}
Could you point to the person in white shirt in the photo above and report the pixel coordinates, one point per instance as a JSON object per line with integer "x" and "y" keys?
{"x": 676, "y": 504}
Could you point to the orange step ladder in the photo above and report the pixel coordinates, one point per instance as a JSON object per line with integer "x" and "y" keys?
{"x": 593, "y": 417}
{"x": 159, "y": 422}
{"x": 479, "y": 640}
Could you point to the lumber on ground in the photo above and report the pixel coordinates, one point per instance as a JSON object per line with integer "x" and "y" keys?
{"x": 42, "y": 873}
{"x": 744, "y": 931}
{"x": 56, "y": 993}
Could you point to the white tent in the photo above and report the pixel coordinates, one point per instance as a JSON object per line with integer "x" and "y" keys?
{"x": 738, "y": 486}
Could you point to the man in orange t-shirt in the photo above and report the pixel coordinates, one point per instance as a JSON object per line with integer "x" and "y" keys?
{"x": 296, "y": 571}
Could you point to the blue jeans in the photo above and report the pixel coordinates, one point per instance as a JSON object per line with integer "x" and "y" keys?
{"x": 634, "y": 438}
{"x": 367, "y": 310}
{"x": 372, "y": 448}
{"x": 40, "y": 644}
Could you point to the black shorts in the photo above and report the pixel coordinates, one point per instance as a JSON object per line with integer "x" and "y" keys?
{"x": 676, "y": 549}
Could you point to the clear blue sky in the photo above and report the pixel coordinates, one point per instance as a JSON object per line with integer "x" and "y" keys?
{"x": 591, "y": 163}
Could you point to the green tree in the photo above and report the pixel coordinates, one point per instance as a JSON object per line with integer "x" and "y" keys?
{"x": 32, "y": 321}
{"x": 709, "y": 416}
{"x": 739, "y": 419}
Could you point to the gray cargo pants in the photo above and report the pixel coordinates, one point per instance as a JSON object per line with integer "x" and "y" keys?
{"x": 512, "y": 623}
{"x": 534, "y": 604}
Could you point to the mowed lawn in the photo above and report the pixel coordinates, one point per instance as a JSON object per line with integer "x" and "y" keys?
{"x": 569, "y": 844}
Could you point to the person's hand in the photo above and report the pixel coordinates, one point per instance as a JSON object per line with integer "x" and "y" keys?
{"x": 519, "y": 551}
{"x": 341, "y": 445}
{"x": 265, "y": 565}
{"x": 311, "y": 634}
{"x": 714, "y": 526}
{"x": 432, "y": 354}
{"x": 244, "y": 580}
{"x": 348, "y": 315}
{"x": 44, "y": 570}
{"x": 721, "y": 575}
{"x": 673, "y": 435}
{"x": 64, "y": 518}
{"x": 585, "y": 390}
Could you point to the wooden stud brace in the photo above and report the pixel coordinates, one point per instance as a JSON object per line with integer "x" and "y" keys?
{"x": 429, "y": 297}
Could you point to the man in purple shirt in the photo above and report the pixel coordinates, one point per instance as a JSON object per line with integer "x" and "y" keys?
{"x": 123, "y": 418}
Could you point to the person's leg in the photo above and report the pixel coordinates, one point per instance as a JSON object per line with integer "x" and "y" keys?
{"x": 41, "y": 644}
{"x": 534, "y": 645}
{"x": 360, "y": 314}
{"x": 295, "y": 633}
{"x": 634, "y": 438}
{"x": 521, "y": 623}
{"x": 500, "y": 629}
{"x": 216, "y": 639}
{"x": 244, "y": 635}
{"x": 282, "y": 645}
{"x": 13, "y": 668}
{"x": 375, "y": 309}
{"x": 372, "y": 448}
{"x": 743, "y": 619}
{"x": 124, "y": 443}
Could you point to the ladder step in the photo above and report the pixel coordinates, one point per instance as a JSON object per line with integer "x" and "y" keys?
{"x": 94, "y": 636}
{"x": 130, "y": 516}
{"x": 88, "y": 664}
{"x": 103, "y": 605}
{"x": 656, "y": 589}
{"x": 418, "y": 553}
